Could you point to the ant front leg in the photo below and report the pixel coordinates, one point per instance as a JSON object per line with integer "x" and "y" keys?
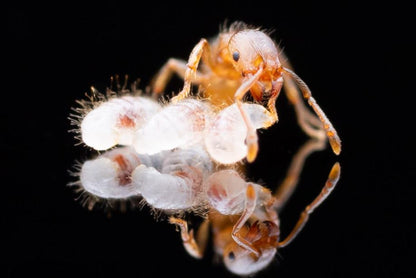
{"x": 191, "y": 68}
{"x": 251, "y": 140}
{"x": 329, "y": 186}
{"x": 331, "y": 133}
{"x": 308, "y": 121}
{"x": 250, "y": 205}
{"x": 194, "y": 248}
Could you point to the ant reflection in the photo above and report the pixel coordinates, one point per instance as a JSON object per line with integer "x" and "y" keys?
{"x": 183, "y": 156}
{"x": 243, "y": 216}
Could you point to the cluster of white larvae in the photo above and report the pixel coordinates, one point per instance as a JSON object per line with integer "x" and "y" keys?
{"x": 162, "y": 152}
{"x": 150, "y": 127}
{"x": 167, "y": 154}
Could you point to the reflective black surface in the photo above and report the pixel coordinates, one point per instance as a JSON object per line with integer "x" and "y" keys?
{"x": 358, "y": 63}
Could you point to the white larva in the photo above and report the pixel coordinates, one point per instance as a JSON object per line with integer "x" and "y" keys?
{"x": 177, "y": 185}
{"x": 116, "y": 120}
{"x": 179, "y": 124}
{"x": 226, "y": 134}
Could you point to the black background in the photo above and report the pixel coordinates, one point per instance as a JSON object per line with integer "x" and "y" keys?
{"x": 356, "y": 59}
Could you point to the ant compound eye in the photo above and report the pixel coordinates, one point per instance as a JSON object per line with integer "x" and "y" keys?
{"x": 231, "y": 256}
{"x": 236, "y": 56}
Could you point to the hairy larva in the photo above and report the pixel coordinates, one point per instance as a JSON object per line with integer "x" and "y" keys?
{"x": 114, "y": 122}
{"x": 178, "y": 124}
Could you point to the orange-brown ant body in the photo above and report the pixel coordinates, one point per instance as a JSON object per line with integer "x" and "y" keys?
{"x": 242, "y": 59}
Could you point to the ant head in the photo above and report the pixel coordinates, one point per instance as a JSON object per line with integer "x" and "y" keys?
{"x": 264, "y": 237}
{"x": 242, "y": 262}
{"x": 251, "y": 49}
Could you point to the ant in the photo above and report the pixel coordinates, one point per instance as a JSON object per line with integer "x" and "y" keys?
{"x": 242, "y": 59}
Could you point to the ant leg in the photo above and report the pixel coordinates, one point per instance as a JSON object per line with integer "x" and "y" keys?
{"x": 191, "y": 246}
{"x": 250, "y": 205}
{"x": 308, "y": 122}
{"x": 165, "y": 73}
{"x": 191, "y": 68}
{"x": 331, "y": 133}
{"x": 252, "y": 144}
{"x": 288, "y": 185}
{"x": 329, "y": 186}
